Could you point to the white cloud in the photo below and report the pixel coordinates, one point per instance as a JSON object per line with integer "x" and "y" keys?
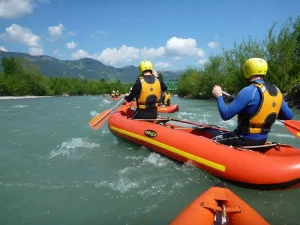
{"x": 175, "y": 47}
{"x": 177, "y": 58}
{"x": 3, "y": 49}
{"x": 202, "y": 61}
{"x": 10, "y": 9}
{"x": 71, "y": 33}
{"x": 81, "y": 54}
{"x": 113, "y": 56}
{"x": 35, "y": 51}
{"x": 163, "y": 64}
{"x": 150, "y": 53}
{"x": 183, "y": 47}
{"x": 71, "y": 45}
{"x": 22, "y": 35}
{"x": 98, "y": 33}
{"x": 212, "y": 44}
{"x": 56, "y": 51}
{"x": 56, "y": 31}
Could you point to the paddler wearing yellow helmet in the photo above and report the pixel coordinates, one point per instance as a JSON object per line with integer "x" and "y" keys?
{"x": 147, "y": 90}
{"x": 257, "y": 106}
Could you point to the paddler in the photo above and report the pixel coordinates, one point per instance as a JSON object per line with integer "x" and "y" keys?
{"x": 257, "y": 107}
{"x": 147, "y": 90}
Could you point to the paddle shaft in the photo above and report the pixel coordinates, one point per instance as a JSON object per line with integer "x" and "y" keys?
{"x": 98, "y": 120}
{"x": 117, "y": 104}
{"x": 225, "y": 93}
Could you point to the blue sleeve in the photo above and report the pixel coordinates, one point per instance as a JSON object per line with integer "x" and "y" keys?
{"x": 237, "y": 105}
{"x": 285, "y": 112}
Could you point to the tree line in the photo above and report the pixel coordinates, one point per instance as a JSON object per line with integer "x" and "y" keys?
{"x": 20, "y": 77}
{"x": 281, "y": 50}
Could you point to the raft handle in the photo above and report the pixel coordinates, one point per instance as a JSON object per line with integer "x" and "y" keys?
{"x": 235, "y": 209}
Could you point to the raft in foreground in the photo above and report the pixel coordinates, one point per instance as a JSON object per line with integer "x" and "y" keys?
{"x": 277, "y": 168}
{"x": 218, "y": 205}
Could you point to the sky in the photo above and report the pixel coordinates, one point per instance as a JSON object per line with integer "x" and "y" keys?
{"x": 173, "y": 34}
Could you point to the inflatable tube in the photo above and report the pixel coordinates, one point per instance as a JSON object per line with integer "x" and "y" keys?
{"x": 221, "y": 205}
{"x": 278, "y": 167}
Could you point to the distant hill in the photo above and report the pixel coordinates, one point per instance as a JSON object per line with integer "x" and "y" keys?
{"x": 85, "y": 68}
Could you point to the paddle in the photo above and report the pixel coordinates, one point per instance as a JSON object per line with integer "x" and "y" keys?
{"x": 293, "y": 126}
{"x": 100, "y": 119}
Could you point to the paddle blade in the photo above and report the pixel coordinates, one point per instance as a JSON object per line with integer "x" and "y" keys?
{"x": 292, "y": 126}
{"x": 99, "y": 120}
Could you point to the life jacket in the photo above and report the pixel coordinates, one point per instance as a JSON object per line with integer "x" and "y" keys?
{"x": 112, "y": 95}
{"x": 150, "y": 94}
{"x": 264, "y": 116}
{"x": 167, "y": 97}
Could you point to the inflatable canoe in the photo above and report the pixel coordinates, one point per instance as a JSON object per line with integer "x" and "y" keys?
{"x": 277, "y": 168}
{"x": 162, "y": 109}
{"x": 218, "y": 205}
{"x": 115, "y": 98}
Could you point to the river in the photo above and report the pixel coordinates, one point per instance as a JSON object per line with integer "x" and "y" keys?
{"x": 54, "y": 169}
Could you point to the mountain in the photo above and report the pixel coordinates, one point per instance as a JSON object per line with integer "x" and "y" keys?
{"x": 85, "y": 68}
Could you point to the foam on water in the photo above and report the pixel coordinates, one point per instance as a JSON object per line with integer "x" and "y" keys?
{"x": 277, "y": 122}
{"x": 128, "y": 170}
{"x": 228, "y": 123}
{"x": 187, "y": 114}
{"x": 136, "y": 158}
{"x": 93, "y": 113}
{"x": 43, "y": 186}
{"x": 205, "y": 115}
{"x": 122, "y": 184}
{"x": 15, "y": 130}
{"x": 20, "y": 106}
{"x": 73, "y": 148}
{"x": 157, "y": 160}
{"x": 282, "y": 135}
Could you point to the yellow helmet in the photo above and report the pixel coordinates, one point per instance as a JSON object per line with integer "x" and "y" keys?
{"x": 145, "y": 65}
{"x": 255, "y": 66}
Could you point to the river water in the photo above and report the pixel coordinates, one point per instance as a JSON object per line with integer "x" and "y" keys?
{"x": 54, "y": 169}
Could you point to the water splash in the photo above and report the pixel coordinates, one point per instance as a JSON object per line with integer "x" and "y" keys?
{"x": 93, "y": 113}
{"x": 121, "y": 185}
{"x": 73, "y": 148}
{"x": 20, "y": 106}
{"x": 157, "y": 160}
{"x": 282, "y": 135}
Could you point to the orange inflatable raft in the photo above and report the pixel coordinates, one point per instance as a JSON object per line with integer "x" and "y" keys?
{"x": 277, "y": 168}
{"x": 115, "y": 98}
{"x": 218, "y": 205}
{"x": 162, "y": 109}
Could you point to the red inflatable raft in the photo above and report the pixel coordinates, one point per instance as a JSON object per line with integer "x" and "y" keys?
{"x": 218, "y": 205}
{"x": 277, "y": 168}
{"x": 162, "y": 109}
{"x": 115, "y": 98}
